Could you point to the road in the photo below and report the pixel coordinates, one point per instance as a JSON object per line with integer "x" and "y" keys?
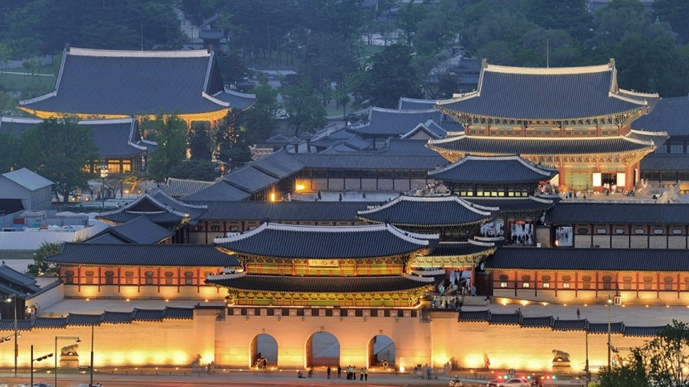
{"x": 215, "y": 380}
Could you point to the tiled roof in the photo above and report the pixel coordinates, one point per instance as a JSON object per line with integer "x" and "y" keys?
{"x": 570, "y": 325}
{"x": 50, "y": 322}
{"x": 643, "y": 331}
{"x": 112, "y": 137}
{"x": 84, "y": 319}
{"x": 285, "y": 211}
{"x": 546, "y": 93}
{"x": 148, "y": 314}
{"x": 237, "y": 101}
{"x": 10, "y": 276}
{"x": 493, "y": 170}
{"x": 134, "y": 82}
{"x": 537, "y": 322}
{"x": 143, "y": 255}
{"x": 514, "y": 204}
{"x": 140, "y": 230}
{"x": 297, "y": 241}
{"x": 615, "y": 327}
{"x": 177, "y": 188}
{"x": 460, "y": 248}
{"x": 394, "y": 123}
{"x": 665, "y": 162}
{"x": 249, "y": 179}
{"x": 174, "y": 313}
{"x": 408, "y": 147}
{"x": 321, "y": 284}
{"x": 538, "y": 146}
{"x": 117, "y": 317}
{"x": 505, "y": 319}
{"x": 278, "y": 165}
{"x": 427, "y": 211}
{"x": 158, "y": 207}
{"x": 8, "y": 325}
{"x": 475, "y": 316}
{"x": 416, "y": 104}
{"x": 669, "y": 115}
{"x": 589, "y": 259}
{"x": 370, "y": 161}
{"x": 27, "y": 179}
{"x": 618, "y": 213}
{"x": 429, "y": 127}
{"x": 220, "y": 191}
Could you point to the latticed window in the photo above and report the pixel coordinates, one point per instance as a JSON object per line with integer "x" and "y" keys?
{"x": 129, "y": 277}
{"x": 168, "y": 277}
{"x": 149, "y": 278}
{"x": 546, "y": 281}
{"x": 587, "y": 281}
{"x": 668, "y": 283}
{"x": 607, "y": 282}
{"x": 627, "y": 282}
{"x": 503, "y": 281}
{"x": 566, "y": 281}
{"x": 89, "y": 276}
{"x": 648, "y": 283}
{"x": 526, "y": 281}
{"x": 69, "y": 277}
{"x": 188, "y": 278}
{"x": 109, "y": 277}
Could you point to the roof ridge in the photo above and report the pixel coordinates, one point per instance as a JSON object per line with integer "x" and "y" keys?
{"x": 76, "y": 51}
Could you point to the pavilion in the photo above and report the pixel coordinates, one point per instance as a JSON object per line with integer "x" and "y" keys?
{"x": 576, "y": 119}
{"x": 143, "y": 84}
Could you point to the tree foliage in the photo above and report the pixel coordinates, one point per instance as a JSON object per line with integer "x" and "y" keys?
{"x": 200, "y": 142}
{"x": 171, "y": 135}
{"x": 41, "y": 266}
{"x": 304, "y": 110}
{"x": 203, "y": 170}
{"x": 58, "y": 149}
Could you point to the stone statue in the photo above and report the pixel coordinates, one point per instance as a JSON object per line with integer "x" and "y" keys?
{"x": 70, "y": 350}
{"x": 560, "y": 356}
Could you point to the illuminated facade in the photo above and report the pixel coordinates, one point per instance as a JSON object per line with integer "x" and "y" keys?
{"x": 576, "y": 120}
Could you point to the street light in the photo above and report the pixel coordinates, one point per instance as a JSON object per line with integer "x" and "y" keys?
{"x": 588, "y": 372}
{"x": 16, "y": 330}
{"x": 91, "y": 383}
{"x": 103, "y": 174}
{"x": 64, "y": 338}
{"x": 37, "y": 359}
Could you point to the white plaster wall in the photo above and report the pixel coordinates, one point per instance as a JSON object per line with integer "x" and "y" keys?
{"x": 32, "y": 240}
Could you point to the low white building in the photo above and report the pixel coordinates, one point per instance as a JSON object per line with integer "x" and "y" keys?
{"x": 32, "y": 189}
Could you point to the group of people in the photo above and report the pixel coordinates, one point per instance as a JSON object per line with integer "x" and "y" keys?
{"x": 351, "y": 372}
{"x": 424, "y": 372}
{"x": 31, "y": 311}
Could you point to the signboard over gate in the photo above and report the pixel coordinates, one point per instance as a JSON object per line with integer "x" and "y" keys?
{"x": 323, "y": 263}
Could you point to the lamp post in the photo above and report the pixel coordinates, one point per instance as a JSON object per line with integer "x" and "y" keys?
{"x": 91, "y": 382}
{"x": 16, "y": 331}
{"x": 64, "y": 338}
{"x": 103, "y": 174}
{"x": 37, "y": 359}
{"x": 586, "y": 369}
{"x": 609, "y": 304}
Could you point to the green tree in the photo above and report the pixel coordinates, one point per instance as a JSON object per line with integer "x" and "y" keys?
{"x": 58, "y": 149}
{"x": 571, "y": 16}
{"x": 41, "y": 266}
{"x": 170, "y": 133}
{"x": 304, "y": 110}
{"x": 259, "y": 121}
{"x": 389, "y": 76}
{"x": 203, "y": 170}
{"x": 675, "y": 12}
{"x": 667, "y": 356}
{"x": 200, "y": 141}
{"x": 630, "y": 373}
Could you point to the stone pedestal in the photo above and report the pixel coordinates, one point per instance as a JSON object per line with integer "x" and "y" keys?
{"x": 562, "y": 367}
{"x": 69, "y": 361}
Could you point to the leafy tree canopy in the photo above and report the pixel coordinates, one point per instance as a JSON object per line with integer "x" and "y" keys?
{"x": 171, "y": 135}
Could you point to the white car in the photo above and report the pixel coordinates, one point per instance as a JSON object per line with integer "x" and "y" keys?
{"x": 514, "y": 382}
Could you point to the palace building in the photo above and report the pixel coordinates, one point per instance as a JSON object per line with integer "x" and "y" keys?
{"x": 577, "y": 120}
{"x": 143, "y": 84}
{"x": 295, "y": 265}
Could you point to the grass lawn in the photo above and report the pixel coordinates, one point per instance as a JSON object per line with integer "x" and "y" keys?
{"x": 26, "y": 84}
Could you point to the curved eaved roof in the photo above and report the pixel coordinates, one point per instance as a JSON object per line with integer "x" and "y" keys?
{"x": 428, "y": 211}
{"x": 525, "y": 93}
{"x": 334, "y": 242}
{"x": 495, "y": 145}
{"x": 108, "y": 82}
{"x": 320, "y": 284}
{"x": 493, "y": 169}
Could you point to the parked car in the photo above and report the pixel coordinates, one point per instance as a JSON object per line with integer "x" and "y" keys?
{"x": 514, "y": 382}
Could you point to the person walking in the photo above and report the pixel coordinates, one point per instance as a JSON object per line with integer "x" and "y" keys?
{"x": 578, "y": 314}
{"x": 328, "y": 372}
{"x": 361, "y": 373}
{"x": 366, "y": 374}
{"x": 339, "y": 371}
